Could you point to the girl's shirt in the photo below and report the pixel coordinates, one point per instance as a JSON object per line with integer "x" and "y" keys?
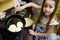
{"x": 45, "y": 20}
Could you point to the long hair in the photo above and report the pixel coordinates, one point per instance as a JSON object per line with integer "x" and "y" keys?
{"x": 42, "y": 14}
{"x": 53, "y": 15}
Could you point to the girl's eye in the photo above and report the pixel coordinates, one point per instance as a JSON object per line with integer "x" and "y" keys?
{"x": 50, "y": 6}
{"x": 45, "y": 6}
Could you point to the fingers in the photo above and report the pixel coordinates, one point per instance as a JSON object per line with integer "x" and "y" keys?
{"x": 31, "y": 32}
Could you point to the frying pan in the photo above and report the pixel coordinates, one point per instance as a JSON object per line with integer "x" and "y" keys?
{"x": 13, "y": 19}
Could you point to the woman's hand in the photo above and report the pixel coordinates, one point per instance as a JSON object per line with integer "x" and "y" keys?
{"x": 32, "y": 32}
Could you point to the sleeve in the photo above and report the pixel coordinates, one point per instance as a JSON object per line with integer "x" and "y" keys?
{"x": 54, "y": 22}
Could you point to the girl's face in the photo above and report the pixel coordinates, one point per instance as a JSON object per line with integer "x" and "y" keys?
{"x": 49, "y": 7}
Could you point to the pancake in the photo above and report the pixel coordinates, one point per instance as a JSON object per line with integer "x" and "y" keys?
{"x": 29, "y": 22}
{"x": 12, "y": 28}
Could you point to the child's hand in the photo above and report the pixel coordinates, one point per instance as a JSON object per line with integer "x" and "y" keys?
{"x": 32, "y": 32}
{"x": 18, "y": 9}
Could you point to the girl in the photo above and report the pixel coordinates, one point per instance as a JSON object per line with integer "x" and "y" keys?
{"x": 44, "y": 29}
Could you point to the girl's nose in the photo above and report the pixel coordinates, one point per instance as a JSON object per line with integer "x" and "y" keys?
{"x": 47, "y": 8}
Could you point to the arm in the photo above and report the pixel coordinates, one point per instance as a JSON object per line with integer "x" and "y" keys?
{"x": 50, "y": 30}
{"x": 28, "y": 5}
{"x": 32, "y": 5}
{"x": 36, "y": 6}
